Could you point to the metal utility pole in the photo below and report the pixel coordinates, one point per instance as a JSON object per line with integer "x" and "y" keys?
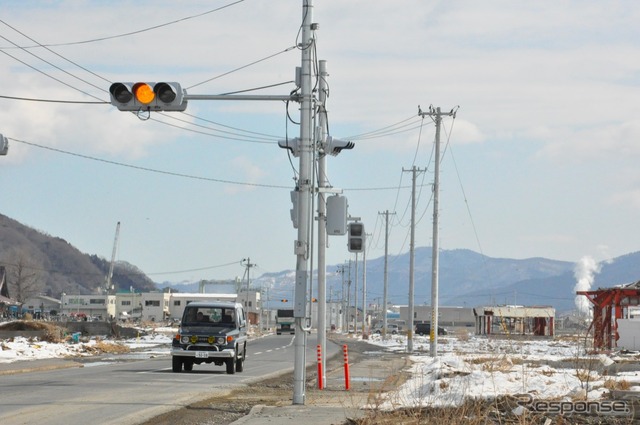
{"x": 322, "y": 219}
{"x": 364, "y": 292}
{"x": 302, "y": 246}
{"x": 109, "y": 287}
{"x": 412, "y": 255}
{"x": 247, "y": 264}
{"x": 349, "y": 298}
{"x": 355, "y": 299}
{"x": 386, "y": 274}
{"x": 344, "y": 298}
{"x": 436, "y": 115}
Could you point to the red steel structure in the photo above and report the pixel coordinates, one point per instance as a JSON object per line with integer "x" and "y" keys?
{"x": 609, "y": 305}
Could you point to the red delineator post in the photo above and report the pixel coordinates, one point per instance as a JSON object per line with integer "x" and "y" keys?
{"x": 346, "y": 367}
{"x": 320, "y": 380}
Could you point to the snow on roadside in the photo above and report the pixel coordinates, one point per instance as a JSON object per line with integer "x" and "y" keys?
{"x": 475, "y": 367}
{"x": 20, "y": 348}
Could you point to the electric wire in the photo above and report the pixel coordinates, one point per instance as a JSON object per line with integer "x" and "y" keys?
{"x": 266, "y": 136}
{"x": 151, "y": 170}
{"x": 119, "y": 272}
{"x": 391, "y": 129}
{"x": 29, "y": 99}
{"x": 225, "y": 134}
{"x": 240, "y": 68}
{"x": 257, "y": 88}
{"x": 48, "y": 75}
{"x": 55, "y": 53}
{"x": 93, "y": 40}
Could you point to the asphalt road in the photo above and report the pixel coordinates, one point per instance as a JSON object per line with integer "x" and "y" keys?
{"x": 129, "y": 389}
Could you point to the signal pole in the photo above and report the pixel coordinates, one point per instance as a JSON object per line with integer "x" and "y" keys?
{"x": 322, "y": 220}
{"x": 349, "y": 298}
{"x": 141, "y": 97}
{"x": 302, "y": 247}
{"x": 436, "y": 116}
{"x": 355, "y": 299}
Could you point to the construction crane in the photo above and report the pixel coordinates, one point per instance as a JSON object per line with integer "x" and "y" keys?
{"x": 109, "y": 286}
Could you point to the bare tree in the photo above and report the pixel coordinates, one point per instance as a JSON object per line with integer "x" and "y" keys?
{"x": 23, "y": 276}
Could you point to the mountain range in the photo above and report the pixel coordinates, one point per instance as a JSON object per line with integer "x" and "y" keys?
{"x": 465, "y": 278}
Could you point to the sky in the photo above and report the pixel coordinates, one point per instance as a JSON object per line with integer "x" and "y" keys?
{"x": 540, "y": 160}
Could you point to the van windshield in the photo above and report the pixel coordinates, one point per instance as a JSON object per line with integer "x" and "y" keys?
{"x": 207, "y": 316}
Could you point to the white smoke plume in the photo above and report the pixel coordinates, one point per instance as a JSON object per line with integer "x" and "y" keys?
{"x": 584, "y": 272}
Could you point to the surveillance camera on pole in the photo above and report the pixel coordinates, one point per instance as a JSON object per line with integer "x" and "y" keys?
{"x": 4, "y": 145}
{"x": 143, "y": 96}
{"x": 334, "y": 146}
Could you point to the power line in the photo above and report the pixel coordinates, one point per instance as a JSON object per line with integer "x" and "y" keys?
{"x": 47, "y": 75}
{"x": 241, "y": 67}
{"x": 28, "y": 99}
{"x": 151, "y": 170}
{"x": 173, "y": 117}
{"x": 233, "y": 128}
{"x": 119, "y": 272}
{"x": 133, "y": 32}
{"x": 55, "y": 53}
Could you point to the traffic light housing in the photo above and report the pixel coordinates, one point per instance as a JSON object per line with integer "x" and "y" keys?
{"x": 292, "y": 145}
{"x": 295, "y": 198}
{"x": 143, "y": 96}
{"x": 4, "y": 145}
{"x": 356, "y": 236}
{"x": 334, "y": 146}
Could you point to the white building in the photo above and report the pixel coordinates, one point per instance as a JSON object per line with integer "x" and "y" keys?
{"x": 41, "y": 305}
{"x": 84, "y": 305}
{"x": 149, "y": 306}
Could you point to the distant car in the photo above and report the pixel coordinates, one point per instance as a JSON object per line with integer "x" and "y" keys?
{"x": 391, "y": 329}
{"x": 425, "y": 329}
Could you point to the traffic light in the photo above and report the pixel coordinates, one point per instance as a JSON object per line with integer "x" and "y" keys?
{"x": 314, "y": 300}
{"x": 356, "y": 237}
{"x": 292, "y": 144}
{"x": 284, "y": 300}
{"x": 4, "y": 145}
{"x": 294, "y": 210}
{"x": 144, "y": 96}
{"x": 334, "y": 146}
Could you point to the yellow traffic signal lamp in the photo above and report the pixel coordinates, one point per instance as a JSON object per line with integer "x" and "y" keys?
{"x": 143, "y": 93}
{"x": 143, "y": 96}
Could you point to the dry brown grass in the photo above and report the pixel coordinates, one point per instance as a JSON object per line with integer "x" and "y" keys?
{"x": 52, "y": 332}
{"x": 472, "y": 412}
{"x": 613, "y": 384}
{"x": 107, "y": 347}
